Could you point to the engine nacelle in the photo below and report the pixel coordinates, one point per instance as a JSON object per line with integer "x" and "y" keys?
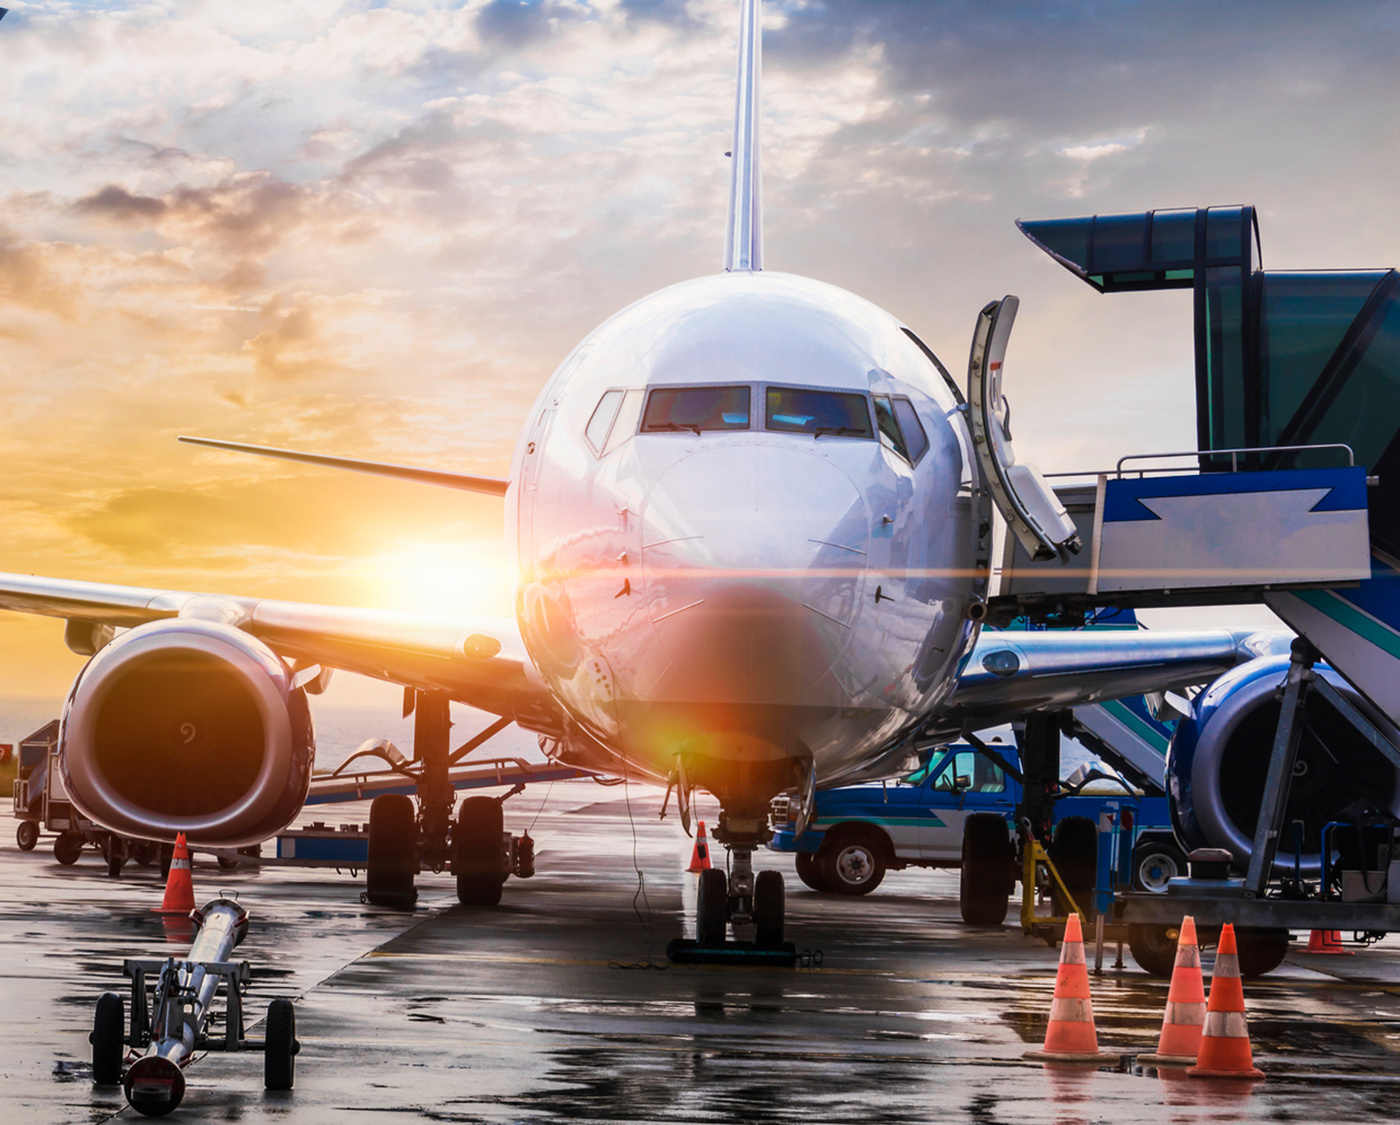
{"x": 1219, "y": 758}
{"x": 187, "y": 726}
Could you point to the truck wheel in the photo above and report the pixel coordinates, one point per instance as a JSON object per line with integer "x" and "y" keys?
{"x": 768, "y": 908}
{"x": 986, "y": 847}
{"x": 476, "y": 846}
{"x": 1075, "y": 854}
{"x": 108, "y": 1029}
{"x": 145, "y": 852}
{"x": 853, "y": 864}
{"x": 1156, "y": 860}
{"x": 809, "y": 870}
{"x": 1153, "y": 948}
{"x": 712, "y": 908}
{"x": 391, "y": 864}
{"x": 67, "y": 848}
{"x": 27, "y": 835}
{"x": 1260, "y": 951}
{"x": 280, "y": 1052}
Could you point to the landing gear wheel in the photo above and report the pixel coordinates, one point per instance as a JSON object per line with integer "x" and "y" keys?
{"x": 279, "y": 1056}
{"x": 392, "y": 864}
{"x": 1260, "y": 952}
{"x": 145, "y": 853}
{"x": 809, "y": 870}
{"x": 477, "y": 854}
{"x": 1075, "y": 854}
{"x": 67, "y": 848}
{"x": 226, "y": 863}
{"x": 115, "y": 854}
{"x": 712, "y": 908}
{"x": 853, "y": 864}
{"x": 27, "y": 835}
{"x": 108, "y": 1048}
{"x": 1155, "y": 862}
{"x": 986, "y": 851}
{"x": 768, "y": 909}
{"x": 1153, "y": 948}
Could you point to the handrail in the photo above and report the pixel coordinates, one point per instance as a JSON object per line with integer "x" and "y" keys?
{"x": 1234, "y": 459}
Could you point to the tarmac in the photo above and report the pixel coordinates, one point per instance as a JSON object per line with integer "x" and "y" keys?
{"x": 559, "y": 1005}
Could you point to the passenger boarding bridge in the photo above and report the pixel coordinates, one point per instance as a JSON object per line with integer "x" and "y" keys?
{"x": 1292, "y": 497}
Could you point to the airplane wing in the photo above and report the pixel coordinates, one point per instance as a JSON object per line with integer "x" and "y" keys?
{"x": 475, "y": 660}
{"x": 1011, "y": 673}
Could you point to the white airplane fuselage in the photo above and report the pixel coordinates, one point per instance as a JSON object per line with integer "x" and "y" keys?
{"x": 747, "y": 596}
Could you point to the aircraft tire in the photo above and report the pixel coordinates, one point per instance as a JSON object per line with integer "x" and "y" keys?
{"x": 712, "y": 908}
{"x": 392, "y": 863}
{"x": 280, "y": 1053}
{"x": 1075, "y": 854}
{"x": 1261, "y": 951}
{"x": 982, "y": 894}
{"x": 108, "y": 1048}
{"x": 67, "y": 847}
{"x": 769, "y": 907}
{"x": 477, "y": 854}
{"x": 27, "y": 835}
{"x": 809, "y": 870}
{"x": 853, "y": 864}
{"x": 1152, "y": 949}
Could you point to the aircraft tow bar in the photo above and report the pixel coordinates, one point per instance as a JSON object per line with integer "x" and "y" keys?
{"x": 170, "y": 1020}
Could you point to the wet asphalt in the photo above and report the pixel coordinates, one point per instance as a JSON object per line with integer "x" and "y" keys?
{"x": 559, "y": 1005}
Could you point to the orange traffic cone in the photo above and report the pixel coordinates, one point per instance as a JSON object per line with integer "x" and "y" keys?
{"x": 1326, "y": 941}
{"x": 1186, "y": 1005}
{"x": 179, "y": 887}
{"x": 1225, "y": 1050}
{"x": 700, "y": 854}
{"x": 1071, "y": 1037}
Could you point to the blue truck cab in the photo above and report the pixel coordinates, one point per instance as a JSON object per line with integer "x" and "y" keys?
{"x": 858, "y": 832}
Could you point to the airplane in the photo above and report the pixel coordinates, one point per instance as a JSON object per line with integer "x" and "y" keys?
{"x": 749, "y": 519}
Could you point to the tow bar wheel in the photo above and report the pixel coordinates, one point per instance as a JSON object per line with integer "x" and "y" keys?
{"x": 108, "y": 1033}
{"x": 279, "y": 1055}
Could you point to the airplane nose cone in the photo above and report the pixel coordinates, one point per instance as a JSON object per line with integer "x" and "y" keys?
{"x": 753, "y": 558}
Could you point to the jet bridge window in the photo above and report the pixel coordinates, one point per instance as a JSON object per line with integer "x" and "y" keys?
{"x": 820, "y": 413}
{"x": 677, "y": 409}
{"x": 900, "y": 427}
{"x": 969, "y": 771}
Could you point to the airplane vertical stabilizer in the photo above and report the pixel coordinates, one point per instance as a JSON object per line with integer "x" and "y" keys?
{"x": 743, "y": 240}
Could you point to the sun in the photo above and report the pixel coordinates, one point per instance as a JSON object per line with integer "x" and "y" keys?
{"x": 426, "y": 577}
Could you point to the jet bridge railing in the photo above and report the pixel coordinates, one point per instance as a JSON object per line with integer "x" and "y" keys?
{"x": 1159, "y": 536}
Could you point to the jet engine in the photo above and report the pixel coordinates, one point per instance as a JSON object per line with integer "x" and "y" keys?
{"x": 187, "y": 726}
{"x": 1219, "y": 758}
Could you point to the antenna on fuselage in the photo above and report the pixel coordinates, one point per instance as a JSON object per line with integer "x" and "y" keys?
{"x": 743, "y": 237}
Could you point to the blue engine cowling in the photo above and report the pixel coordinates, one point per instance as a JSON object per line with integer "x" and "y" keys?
{"x": 1219, "y": 758}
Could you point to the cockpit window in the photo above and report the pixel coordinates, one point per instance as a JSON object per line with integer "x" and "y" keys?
{"x": 696, "y": 409}
{"x": 889, "y": 428}
{"x": 598, "y": 426}
{"x": 912, "y": 428}
{"x": 819, "y": 413}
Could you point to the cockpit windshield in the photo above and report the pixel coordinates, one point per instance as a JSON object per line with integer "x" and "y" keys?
{"x": 818, "y": 413}
{"x": 671, "y": 409}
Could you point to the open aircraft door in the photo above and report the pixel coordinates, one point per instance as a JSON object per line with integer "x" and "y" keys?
{"x": 1030, "y": 507}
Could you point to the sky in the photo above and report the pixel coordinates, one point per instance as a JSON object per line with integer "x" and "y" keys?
{"x": 375, "y": 229}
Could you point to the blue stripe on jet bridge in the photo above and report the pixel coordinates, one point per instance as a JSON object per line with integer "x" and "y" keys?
{"x": 1347, "y": 489}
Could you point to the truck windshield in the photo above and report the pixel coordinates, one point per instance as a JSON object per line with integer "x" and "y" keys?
{"x": 972, "y": 773}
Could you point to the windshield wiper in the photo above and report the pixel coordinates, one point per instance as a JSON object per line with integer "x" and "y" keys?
{"x": 839, "y": 431}
{"x": 676, "y": 427}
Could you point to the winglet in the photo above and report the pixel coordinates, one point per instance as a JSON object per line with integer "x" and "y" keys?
{"x": 491, "y": 486}
{"x": 743, "y": 239}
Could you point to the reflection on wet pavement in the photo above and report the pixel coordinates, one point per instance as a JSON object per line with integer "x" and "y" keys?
{"x": 544, "y": 1010}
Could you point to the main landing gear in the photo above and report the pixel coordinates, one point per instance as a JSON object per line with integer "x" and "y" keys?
{"x": 473, "y": 845}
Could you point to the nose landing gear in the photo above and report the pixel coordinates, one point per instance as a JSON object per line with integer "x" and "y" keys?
{"x": 737, "y": 899}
